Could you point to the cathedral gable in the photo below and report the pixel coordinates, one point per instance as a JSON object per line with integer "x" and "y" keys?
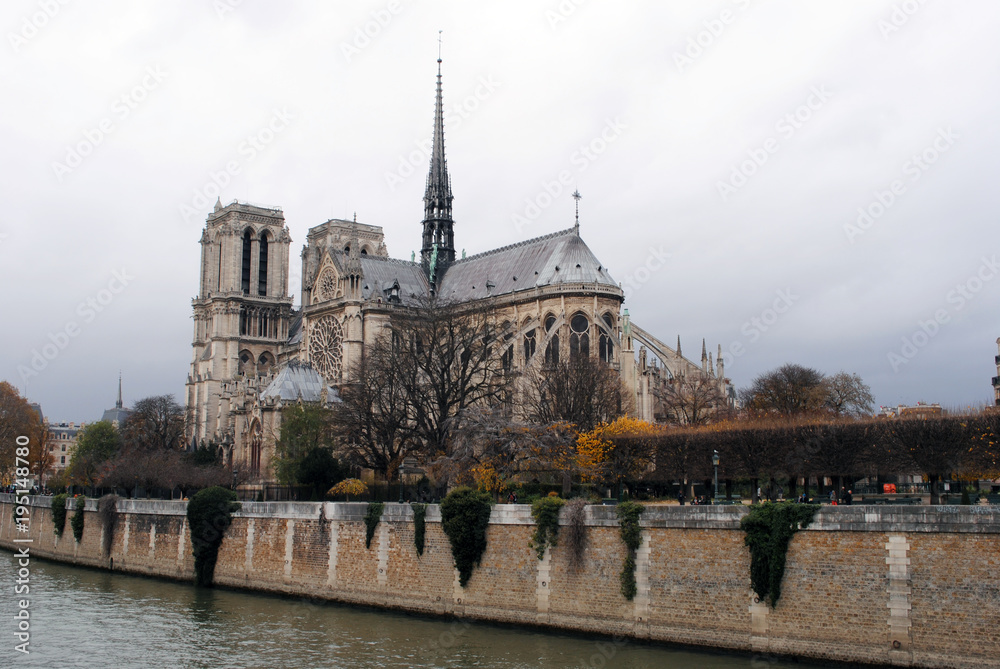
{"x": 328, "y": 285}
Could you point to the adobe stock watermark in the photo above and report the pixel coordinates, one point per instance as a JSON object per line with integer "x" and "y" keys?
{"x": 606, "y": 652}
{"x": 786, "y": 127}
{"x": 122, "y": 107}
{"x": 956, "y": 299}
{"x": 454, "y": 115}
{"x": 638, "y": 277}
{"x": 88, "y": 311}
{"x": 370, "y": 29}
{"x": 32, "y": 24}
{"x": 563, "y": 11}
{"x": 223, "y": 7}
{"x": 753, "y": 329}
{"x": 256, "y": 142}
{"x": 712, "y": 30}
{"x": 581, "y": 159}
{"x": 913, "y": 168}
{"x": 900, "y": 16}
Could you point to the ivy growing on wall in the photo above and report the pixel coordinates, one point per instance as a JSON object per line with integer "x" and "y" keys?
{"x": 59, "y": 514}
{"x": 465, "y": 515}
{"x": 628, "y": 519}
{"x": 76, "y": 522}
{"x": 209, "y": 513}
{"x": 769, "y": 528}
{"x": 372, "y": 516}
{"x": 107, "y": 509}
{"x": 545, "y": 511}
{"x": 419, "y": 526}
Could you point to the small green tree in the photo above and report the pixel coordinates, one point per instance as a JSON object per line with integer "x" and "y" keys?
{"x": 304, "y": 428}
{"x": 545, "y": 511}
{"x": 319, "y": 469}
{"x": 628, "y": 520}
{"x": 97, "y": 444}
{"x": 465, "y": 515}
{"x": 209, "y": 513}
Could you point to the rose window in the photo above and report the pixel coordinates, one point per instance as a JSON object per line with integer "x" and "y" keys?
{"x": 325, "y": 350}
{"x": 328, "y": 285}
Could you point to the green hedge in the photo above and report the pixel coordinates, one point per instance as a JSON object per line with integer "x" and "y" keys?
{"x": 372, "y": 516}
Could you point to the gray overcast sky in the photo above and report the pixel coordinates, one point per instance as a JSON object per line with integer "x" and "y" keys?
{"x": 834, "y": 162}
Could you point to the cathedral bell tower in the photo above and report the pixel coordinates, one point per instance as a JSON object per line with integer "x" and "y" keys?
{"x": 242, "y": 312}
{"x": 437, "y": 249}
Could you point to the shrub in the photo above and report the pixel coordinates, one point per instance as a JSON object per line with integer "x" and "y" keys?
{"x": 59, "y": 514}
{"x": 76, "y": 522}
{"x": 545, "y": 511}
{"x": 769, "y": 527}
{"x": 209, "y": 513}
{"x": 576, "y": 530}
{"x": 628, "y": 519}
{"x": 465, "y": 515}
{"x": 107, "y": 509}
{"x": 419, "y": 526}
{"x": 372, "y": 516}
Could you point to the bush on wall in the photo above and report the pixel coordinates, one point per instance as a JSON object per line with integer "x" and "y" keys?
{"x": 545, "y": 511}
{"x": 59, "y": 514}
{"x": 209, "y": 513}
{"x": 576, "y": 531}
{"x": 419, "y": 526}
{"x": 769, "y": 528}
{"x": 76, "y": 522}
{"x": 628, "y": 519}
{"x": 107, "y": 509}
{"x": 465, "y": 515}
{"x": 372, "y": 516}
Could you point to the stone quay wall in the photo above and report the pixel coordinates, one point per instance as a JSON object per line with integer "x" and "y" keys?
{"x": 892, "y": 585}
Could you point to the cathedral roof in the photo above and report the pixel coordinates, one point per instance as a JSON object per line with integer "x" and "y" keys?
{"x": 561, "y": 257}
{"x": 298, "y": 380}
{"x": 380, "y": 274}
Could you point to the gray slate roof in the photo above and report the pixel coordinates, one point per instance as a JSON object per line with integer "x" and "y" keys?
{"x": 298, "y": 380}
{"x": 112, "y": 415}
{"x": 381, "y": 273}
{"x": 561, "y": 257}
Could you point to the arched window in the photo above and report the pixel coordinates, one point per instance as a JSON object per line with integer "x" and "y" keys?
{"x": 245, "y": 276}
{"x": 605, "y": 348}
{"x": 246, "y": 362}
{"x": 507, "y": 357}
{"x": 579, "y": 338}
{"x": 552, "y": 350}
{"x": 262, "y": 271}
{"x": 529, "y": 345}
{"x": 264, "y": 363}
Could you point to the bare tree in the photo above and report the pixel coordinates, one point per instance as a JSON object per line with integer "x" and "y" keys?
{"x": 580, "y": 391}
{"x": 375, "y": 419}
{"x": 156, "y": 423}
{"x": 447, "y": 364}
{"x": 691, "y": 399}
{"x": 790, "y": 390}
{"x": 848, "y": 395}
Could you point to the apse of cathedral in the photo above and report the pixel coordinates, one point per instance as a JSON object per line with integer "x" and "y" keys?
{"x": 253, "y": 353}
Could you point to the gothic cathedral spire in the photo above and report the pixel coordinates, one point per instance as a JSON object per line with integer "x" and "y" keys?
{"x": 438, "y": 225}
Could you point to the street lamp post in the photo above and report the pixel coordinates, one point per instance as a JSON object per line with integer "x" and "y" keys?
{"x": 715, "y": 463}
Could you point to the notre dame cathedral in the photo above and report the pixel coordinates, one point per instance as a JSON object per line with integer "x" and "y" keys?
{"x": 253, "y": 353}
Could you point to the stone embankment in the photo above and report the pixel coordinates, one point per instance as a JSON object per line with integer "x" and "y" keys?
{"x": 900, "y": 586}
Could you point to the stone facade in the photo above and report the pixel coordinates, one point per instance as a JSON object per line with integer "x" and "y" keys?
{"x": 897, "y": 586}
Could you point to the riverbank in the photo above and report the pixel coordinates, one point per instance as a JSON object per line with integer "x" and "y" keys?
{"x": 899, "y": 586}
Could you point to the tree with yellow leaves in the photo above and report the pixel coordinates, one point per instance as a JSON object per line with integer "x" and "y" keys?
{"x": 615, "y": 452}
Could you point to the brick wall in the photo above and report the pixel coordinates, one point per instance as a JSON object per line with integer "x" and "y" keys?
{"x": 903, "y": 586}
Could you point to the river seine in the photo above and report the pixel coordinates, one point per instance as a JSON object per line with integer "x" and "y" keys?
{"x": 89, "y": 618}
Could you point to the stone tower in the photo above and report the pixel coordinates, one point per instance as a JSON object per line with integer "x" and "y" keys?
{"x": 242, "y": 312}
{"x": 437, "y": 250}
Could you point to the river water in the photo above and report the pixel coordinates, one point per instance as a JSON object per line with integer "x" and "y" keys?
{"x": 89, "y": 618}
